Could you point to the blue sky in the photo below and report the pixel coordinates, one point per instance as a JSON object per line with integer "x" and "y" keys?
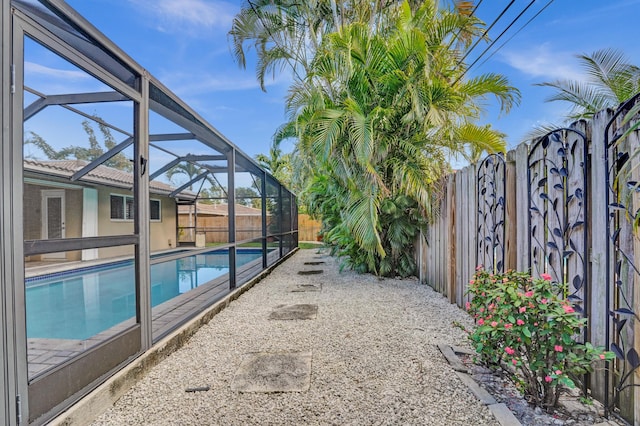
{"x": 184, "y": 44}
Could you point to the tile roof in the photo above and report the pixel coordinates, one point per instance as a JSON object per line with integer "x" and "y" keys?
{"x": 101, "y": 175}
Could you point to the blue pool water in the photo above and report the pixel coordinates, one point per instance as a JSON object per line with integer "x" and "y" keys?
{"x": 80, "y": 304}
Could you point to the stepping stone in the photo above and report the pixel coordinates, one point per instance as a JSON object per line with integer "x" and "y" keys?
{"x": 300, "y": 288}
{"x": 294, "y": 312}
{"x": 273, "y": 372}
{"x": 311, "y": 272}
{"x": 315, "y": 263}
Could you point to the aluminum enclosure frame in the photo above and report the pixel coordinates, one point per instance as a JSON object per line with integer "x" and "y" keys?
{"x": 59, "y": 28}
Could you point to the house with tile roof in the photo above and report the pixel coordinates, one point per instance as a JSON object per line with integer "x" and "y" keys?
{"x": 100, "y": 203}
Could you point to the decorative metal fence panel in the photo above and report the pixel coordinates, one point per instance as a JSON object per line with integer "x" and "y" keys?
{"x": 568, "y": 211}
{"x": 490, "y": 250}
{"x": 622, "y": 146}
{"x": 558, "y": 211}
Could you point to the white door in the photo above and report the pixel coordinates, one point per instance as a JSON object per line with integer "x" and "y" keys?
{"x": 53, "y": 218}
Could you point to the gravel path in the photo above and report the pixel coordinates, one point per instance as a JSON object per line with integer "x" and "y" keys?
{"x": 375, "y": 359}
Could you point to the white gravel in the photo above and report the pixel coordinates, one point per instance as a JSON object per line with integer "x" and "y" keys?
{"x": 375, "y": 359}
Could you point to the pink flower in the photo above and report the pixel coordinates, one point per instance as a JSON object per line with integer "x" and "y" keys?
{"x": 481, "y": 309}
{"x": 558, "y": 372}
{"x": 514, "y": 361}
{"x": 494, "y": 323}
{"x": 498, "y": 298}
{"x": 557, "y": 348}
{"x": 529, "y": 293}
{"x": 548, "y": 379}
{"x": 535, "y": 324}
{"x": 568, "y": 309}
{"x": 509, "y": 350}
{"x": 472, "y": 282}
{"x": 508, "y": 326}
{"x": 468, "y": 305}
{"x": 480, "y": 321}
{"x": 479, "y": 267}
{"x": 602, "y": 356}
{"x": 491, "y": 306}
{"x": 519, "y": 322}
{"x": 545, "y": 277}
{"x": 543, "y": 301}
{"x": 522, "y": 309}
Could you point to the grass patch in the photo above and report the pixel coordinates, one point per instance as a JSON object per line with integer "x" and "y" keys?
{"x": 307, "y": 245}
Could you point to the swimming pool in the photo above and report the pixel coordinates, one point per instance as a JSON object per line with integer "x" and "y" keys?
{"x": 81, "y": 303}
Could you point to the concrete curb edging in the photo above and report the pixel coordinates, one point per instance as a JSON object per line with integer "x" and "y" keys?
{"x": 500, "y": 411}
{"x": 84, "y": 411}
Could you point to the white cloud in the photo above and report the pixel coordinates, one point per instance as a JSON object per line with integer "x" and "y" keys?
{"x": 544, "y": 64}
{"x": 40, "y": 70}
{"x": 187, "y": 85}
{"x": 192, "y": 17}
{"x": 202, "y": 82}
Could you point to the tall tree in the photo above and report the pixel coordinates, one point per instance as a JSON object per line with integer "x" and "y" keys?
{"x": 383, "y": 129}
{"x": 277, "y": 163}
{"x": 609, "y": 80}
{"x": 381, "y": 103}
{"x": 90, "y": 153}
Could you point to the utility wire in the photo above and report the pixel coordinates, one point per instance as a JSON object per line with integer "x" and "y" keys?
{"x": 460, "y": 31}
{"x": 516, "y": 33}
{"x": 496, "y": 39}
{"x": 485, "y": 32}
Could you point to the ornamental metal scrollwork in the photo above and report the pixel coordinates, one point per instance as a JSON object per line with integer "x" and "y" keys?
{"x": 622, "y": 273}
{"x": 490, "y": 250}
{"x": 558, "y": 211}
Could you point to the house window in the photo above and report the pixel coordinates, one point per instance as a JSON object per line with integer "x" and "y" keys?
{"x": 154, "y": 210}
{"x": 122, "y": 208}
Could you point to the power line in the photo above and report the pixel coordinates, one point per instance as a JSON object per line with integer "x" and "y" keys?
{"x": 502, "y": 33}
{"x": 485, "y": 32}
{"x": 460, "y": 31}
{"x": 516, "y": 33}
{"x": 499, "y": 36}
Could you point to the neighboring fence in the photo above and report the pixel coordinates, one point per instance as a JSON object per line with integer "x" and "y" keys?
{"x": 216, "y": 229}
{"x": 556, "y": 206}
{"x": 308, "y": 229}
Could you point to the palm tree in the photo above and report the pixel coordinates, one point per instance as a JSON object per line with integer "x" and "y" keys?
{"x": 377, "y": 101}
{"x": 277, "y": 163}
{"x": 610, "y": 80}
{"x": 377, "y": 137}
{"x": 191, "y": 170}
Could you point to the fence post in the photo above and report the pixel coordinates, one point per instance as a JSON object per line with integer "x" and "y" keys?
{"x": 460, "y": 232}
{"x": 522, "y": 208}
{"x": 451, "y": 239}
{"x": 511, "y": 213}
{"x": 599, "y": 239}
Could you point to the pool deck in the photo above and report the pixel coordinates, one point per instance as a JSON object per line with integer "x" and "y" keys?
{"x": 45, "y": 354}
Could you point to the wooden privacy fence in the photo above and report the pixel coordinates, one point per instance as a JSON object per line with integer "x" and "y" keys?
{"x": 563, "y": 205}
{"x": 308, "y": 228}
{"x": 216, "y": 228}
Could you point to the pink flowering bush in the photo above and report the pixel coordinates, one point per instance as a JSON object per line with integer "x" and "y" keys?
{"x": 526, "y": 329}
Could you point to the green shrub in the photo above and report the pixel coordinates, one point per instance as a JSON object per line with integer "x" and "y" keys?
{"x": 525, "y": 328}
